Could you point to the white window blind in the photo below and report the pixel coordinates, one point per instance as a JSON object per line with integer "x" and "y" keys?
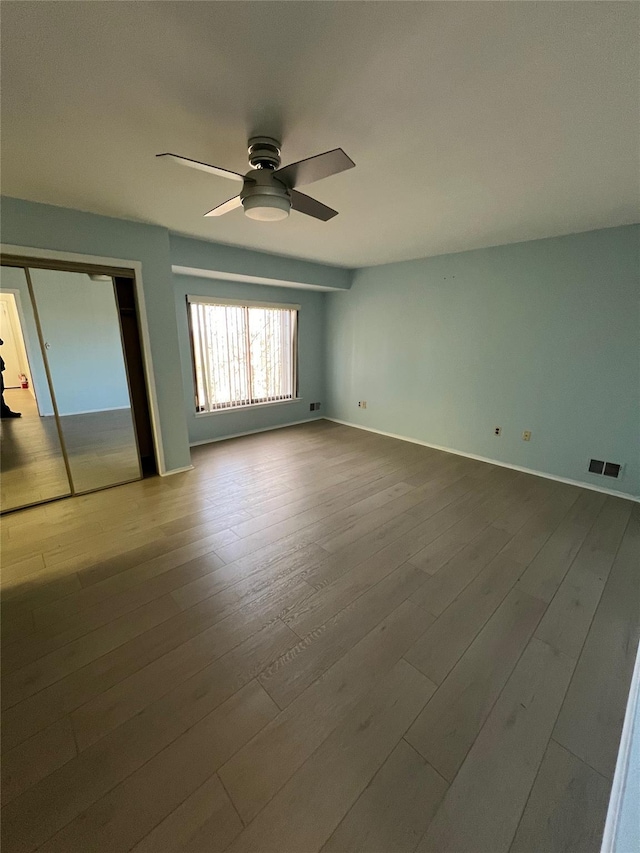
{"x": 244, "y": 354}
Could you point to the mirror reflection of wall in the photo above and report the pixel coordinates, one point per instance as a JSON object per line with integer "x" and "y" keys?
{"x": 80, "y": 327}
{"x": 31, "y": 460}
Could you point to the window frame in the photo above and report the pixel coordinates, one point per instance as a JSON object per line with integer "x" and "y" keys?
{"x": 243, "y": 303}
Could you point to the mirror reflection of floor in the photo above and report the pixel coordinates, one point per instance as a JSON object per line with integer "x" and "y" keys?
{"x": 101, "y": 447}
{"x": 31, "y": 463}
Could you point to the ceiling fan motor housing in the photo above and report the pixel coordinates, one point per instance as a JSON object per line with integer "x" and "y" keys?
{"x": 263, "y": 182}
{"x": 264, "y": 196}
{"x": 264, "y": 152}
{"x": 262, "y": 190}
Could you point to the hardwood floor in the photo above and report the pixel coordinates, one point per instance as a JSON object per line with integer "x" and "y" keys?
{"x": 318, "y": 640}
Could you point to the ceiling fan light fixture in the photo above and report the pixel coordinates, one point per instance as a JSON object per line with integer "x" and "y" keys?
{"x": 266, "y": 208}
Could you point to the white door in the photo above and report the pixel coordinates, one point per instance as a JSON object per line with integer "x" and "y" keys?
{"x": 9, "y": 351}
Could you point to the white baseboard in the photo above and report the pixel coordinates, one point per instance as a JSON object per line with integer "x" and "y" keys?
{"x": 253, "y": 431}
{"x": 176, "y": 471}
{"x": 94, "y": 411}
{"x": 623, "y": 802}
{"x": 491, "y": 461}
{"x": 50, "y": 414}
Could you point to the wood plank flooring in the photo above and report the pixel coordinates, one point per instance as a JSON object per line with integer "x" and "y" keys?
{"x": 319, "y": 641}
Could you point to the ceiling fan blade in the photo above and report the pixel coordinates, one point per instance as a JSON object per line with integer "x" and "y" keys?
{"x": 314, "y": 168}
{"x": 226, "y": 207}
{"x": 205, "y": 167}
{"x": 305, "y": 204}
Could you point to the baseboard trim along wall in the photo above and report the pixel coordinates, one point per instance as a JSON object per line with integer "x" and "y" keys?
{"x": 253, "y": 431}
{"x": 177, "y": 471}
{"x": 491, "y": 461}
{"x": 620, "y": 833}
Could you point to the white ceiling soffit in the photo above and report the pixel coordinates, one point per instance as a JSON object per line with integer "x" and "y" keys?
{"x": 249, "y": 279}
{"x": 471, "y": 124}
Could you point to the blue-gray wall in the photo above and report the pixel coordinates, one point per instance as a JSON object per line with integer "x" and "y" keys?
{"x": 541, "y": 336}
{"x": 42, "y": 226}
{"x": 311, "y": 347}
{"x": 203, "y": 255}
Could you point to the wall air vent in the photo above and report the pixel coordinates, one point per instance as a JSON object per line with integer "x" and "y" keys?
{"x": 607, "y": 469}
{"x": 612, "y": 469}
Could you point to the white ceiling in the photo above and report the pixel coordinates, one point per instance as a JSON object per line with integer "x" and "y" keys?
{"x": 471, "y": 123}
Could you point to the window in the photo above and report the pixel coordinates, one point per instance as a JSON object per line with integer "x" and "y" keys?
{"x": 244, "y": 353}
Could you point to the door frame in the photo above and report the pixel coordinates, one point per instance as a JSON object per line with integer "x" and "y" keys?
{"x": 75, "y": 262}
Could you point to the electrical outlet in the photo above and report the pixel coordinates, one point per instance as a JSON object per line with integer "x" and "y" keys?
{"x": 362, "y": 404}
{"x": 497, "y": 430}
{"x": 317, "y": 406}
{"x": 526, "y": 435}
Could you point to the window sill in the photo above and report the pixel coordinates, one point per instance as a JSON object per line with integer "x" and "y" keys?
{"x": 249, "y": 408}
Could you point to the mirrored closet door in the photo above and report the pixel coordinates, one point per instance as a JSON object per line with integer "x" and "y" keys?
{"x": 67, "y": 419}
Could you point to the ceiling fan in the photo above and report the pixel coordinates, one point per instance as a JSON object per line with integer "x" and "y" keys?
{"x": 269, "y": 192}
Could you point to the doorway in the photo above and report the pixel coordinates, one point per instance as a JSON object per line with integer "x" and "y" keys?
{"x": 14, "y": 353}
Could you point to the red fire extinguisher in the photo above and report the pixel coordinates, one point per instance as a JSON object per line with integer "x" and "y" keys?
{"x": 24, "y": 382}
